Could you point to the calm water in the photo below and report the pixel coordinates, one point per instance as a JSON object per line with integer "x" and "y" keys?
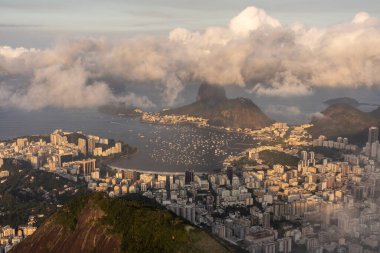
{"x": 161, "y": 148}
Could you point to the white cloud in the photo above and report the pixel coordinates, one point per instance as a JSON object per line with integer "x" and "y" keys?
{"x": 317, "y": 115}
{"x": 252, "y": 19}
{"x": 254, "y": 50}
{"x": 361, "y": 17}
{"x": 283, "y": 110}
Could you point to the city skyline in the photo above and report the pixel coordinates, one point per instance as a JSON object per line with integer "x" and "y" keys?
{"x": 189, "y": 126}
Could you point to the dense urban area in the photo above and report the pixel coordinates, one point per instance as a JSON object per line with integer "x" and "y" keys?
{"x": 291, "y": 193}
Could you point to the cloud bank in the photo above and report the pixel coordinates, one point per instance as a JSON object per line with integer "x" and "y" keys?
{"x": 283, "y": 110}
{"x": 254, "y": 51}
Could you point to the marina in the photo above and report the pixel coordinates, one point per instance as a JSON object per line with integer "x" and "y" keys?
{"x": 171, "y": 148}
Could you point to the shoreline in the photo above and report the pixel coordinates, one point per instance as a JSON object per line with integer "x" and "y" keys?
{"x": 209, "y": 127}
{"x": 167, "y": 173}
{"x": 175, "y": 171}
{"x": 108, "y": 163}
{"x": 108, "y": 160}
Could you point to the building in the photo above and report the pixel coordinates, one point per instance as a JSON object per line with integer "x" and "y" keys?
{"x": 373, "y": 137}
{"x": 64, "y": 158}
{"x": 230, "y": 174}
{"x": 82, "y": 145}
{"x": 189, "y": 177}
{"x": 85, "y": 167}
{"x": 132, "y": 175}
{"x": 373, "y": 134}
{"x": 266, "y": 220}
{"x": 91, "y": 145}
{"x": 304, "y": 155}
{"x": 118, "y": 147}
{"x": 58, "y": 137}
{"x": 22, "y": 142}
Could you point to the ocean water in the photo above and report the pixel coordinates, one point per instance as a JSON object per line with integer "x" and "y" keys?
{"x": 161, "y": 148}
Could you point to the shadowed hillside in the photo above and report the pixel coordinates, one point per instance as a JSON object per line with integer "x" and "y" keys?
{"x": 96, "y": 223}
{"x": 346, "y": 121}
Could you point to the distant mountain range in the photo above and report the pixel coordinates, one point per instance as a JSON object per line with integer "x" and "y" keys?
{"x": 212, "y": 104}
{"x": 97, "y": 223}
{"x": 348, "y": 101}
{"x": 120, "y": 109}
{"x": 346, "y": 120}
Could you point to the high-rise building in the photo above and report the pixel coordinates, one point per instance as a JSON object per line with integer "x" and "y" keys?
{"x": 304, "y": 156}
{"x": 312, "y": 158}
{"x": 373, "y": 134}
{"x": 88, "y": 166}
{"x": 266, "y": 220}
{"x": 374, "y": 147}
{"x": 85, "y": 167}
{"x": 230, "y": 174}
{"x": 189, "y": 177}
{"x": 82, "y": 145}
{"x": 91, "y": 145}
{"x": 21, "y": 142}
{"x": 373, "y": 140}
{"x": 119, "y": 147}
{"x": 58, "y": 137}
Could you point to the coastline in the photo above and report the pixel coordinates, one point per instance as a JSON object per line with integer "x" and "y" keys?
{"x": 106, "y": 161}
{"x": 193, "y": 124}
{"x": 166, "y": 173}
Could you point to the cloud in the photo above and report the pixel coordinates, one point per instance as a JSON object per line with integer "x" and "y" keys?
{"x": 317, "y": 115}
{"x": 254, "y": 51}
{"x": 283, "y": 110}
{"x": 13, "y": 26}
{"x": 361, "y": 17}
{"x": 252, "y": 19}
{"x": 284, "y": 85}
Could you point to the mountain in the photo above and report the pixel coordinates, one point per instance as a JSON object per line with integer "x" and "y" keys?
{"x": 376, "y": 112}
{"x": 120, "y": 109}
{"x": 212, "y": 104}
{"x": 97, "y": 223}
{"x": 27, "y": 191}
{"x": 344, "y": 100}
{"x": 344, "y": 120}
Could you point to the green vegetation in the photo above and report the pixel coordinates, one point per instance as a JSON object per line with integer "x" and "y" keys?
{"x": 346, "y": 121}
{"x": 275, "y": 157}
{"x": 37, "y": 138}
{"x": 120, "y": 109}
{"x": 29, "y": 191}
{"x": 68, "y": 215}
{"x": 244, "y": 161}
{"x": 332, "y": 153}
{"x": 141, "y": 223}
{"x": 74, "y": 137}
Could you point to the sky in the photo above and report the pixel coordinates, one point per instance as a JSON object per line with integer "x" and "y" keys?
{"x": 288, "y": 56}
{"x": 39, "y": 23}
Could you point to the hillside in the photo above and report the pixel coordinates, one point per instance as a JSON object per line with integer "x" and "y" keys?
{"x": 376, "y": 113}
{"x": 120, "y": 109}
{"x": 346, "y": 121}
{"x": 212, "y": 104}
{"x": 96, "y": 223}
{"x": 344, "y": 100}
{"x": 28, "y": 191}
